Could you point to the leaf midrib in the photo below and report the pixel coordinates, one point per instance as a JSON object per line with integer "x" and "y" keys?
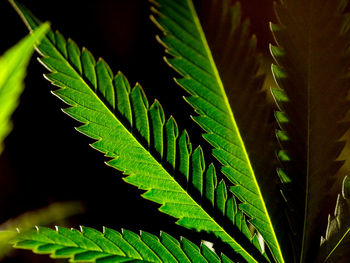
{"x": 64, "y": 246}
{"x": 235, "y": 127}
{"x": 148, "y": 153}
{"x": 308, "y": 91}
{"x": 336, "y": 246}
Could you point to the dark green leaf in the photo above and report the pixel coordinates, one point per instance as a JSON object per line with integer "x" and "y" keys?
{"x": 312, "y": 74}
{"x": 335, "y": 245}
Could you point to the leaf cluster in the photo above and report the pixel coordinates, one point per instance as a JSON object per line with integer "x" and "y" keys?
{"x": 258, "y": 206}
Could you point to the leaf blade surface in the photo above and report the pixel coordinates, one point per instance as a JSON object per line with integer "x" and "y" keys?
{"x": 90, "y": 245}
{"x": 123, "y": 130}
{"x": 311, "y": 73}
{"x": 13, "y": 66}
{"x": 335, "y": 244}
{"x": 185, "y": 40}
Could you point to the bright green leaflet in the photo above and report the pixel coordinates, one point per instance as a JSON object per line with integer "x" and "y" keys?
{"x": 138, "y": 139}
{"x": 13, "y": 65}
{"x": 185, "y": 40}
{"x": 90, "y": 245}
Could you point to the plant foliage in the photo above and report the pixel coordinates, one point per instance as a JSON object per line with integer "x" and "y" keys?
{"x": 192, "y": 58}
{"x": 53, "y": 213}
{"x": 90, "y": 245}
{"x": 130, "y": 131}
{"x": 218, "y": 66}
{"x": 13, "y": 65}
{"x": 312, "y": 76}
{"x": 334, "y": 246}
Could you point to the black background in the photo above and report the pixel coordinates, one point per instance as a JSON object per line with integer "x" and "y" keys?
{"x": 46, "y": 160}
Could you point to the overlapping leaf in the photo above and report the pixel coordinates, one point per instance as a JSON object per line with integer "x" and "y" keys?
{"x": 233, "y": 48}
{"x": 90, "y": 245}
{"x": 191, "y": 56}
{"x": 335, "y": 245}
{"x": 312, "y": 74}
{"x": 13, "y": 65}
{"x": 45, "y": 216}
{"x": 141, "y": 142}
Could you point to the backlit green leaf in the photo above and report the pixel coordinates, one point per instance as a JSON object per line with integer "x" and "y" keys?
{"x": 13, "y": 65}
{"x": 191, "y": 56}
{"x": 130, "y": 131}
{"x": 90, "y": 245}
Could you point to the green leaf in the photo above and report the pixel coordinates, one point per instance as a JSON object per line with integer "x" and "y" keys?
{"x": 13, "y": 65}
{"x": 90, "y": 245}
{"x": 44, "y": 216}
{"x": 138, "y": 140}
{"x": 335, "y": 244}
{"x": 312, "y": 74}
{"x": 185, "y": 41}
{"x": 233, "y": 48}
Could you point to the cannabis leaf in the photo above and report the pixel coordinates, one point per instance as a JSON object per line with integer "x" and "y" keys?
{"x": 140, "y": 142}
{"x": 13, "y": 66}
{"x": 90, "y": 245}
{"x": 312, "y": 74}
{"x": 335, "y": 244}
{"x": 186, "y": 42}
{"x": 44, "y": 216}
{"x": 233, "y": 48}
